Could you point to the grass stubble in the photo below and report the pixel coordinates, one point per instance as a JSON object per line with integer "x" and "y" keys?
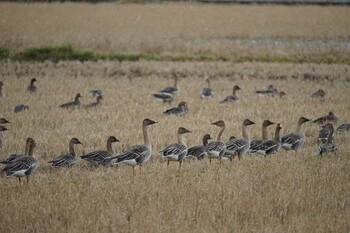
{"x": 285, "y": 193}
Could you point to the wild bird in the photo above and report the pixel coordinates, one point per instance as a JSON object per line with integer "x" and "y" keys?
{"x": 216, "y": 149}
{"x": 3, "y": 121}
{"x": 329, "y": 146}
{"x": 272, "y": 146}
{"x": 66, "y": 160}
{"x": 21, "y": 108}
{"x": 344, "y": 127}
{"x": 319, "y": 94}
{"x": 172, "y": 90}
{"x": 31, "y": 88}
{"x": 138, "y": 154}
{"x": 239, "y": 147}
{"x": 231, "y": 98}
{"x": 2, "y": 129}
{"x": 199, "y": 152}
{"x": 281, "y": 94}
{"x": 72, "y": 104}
{"x": 22, "y": 166}
{"x": 14, "y": 156}
{"x": 270, "y": 91}
{"x": 96, "y": 93}
{"x": 1, "y": 85}
{"x": 176, "y": 151}
{"x": 166, "y": 98}
{"x": 207, "y": 92}
{"x": 180, "y": 110}
{"x": 99, "y": 157}
{"x": 256, "y": 142}
{"x": 94, "y": 104}
{"x": 323, "y": 133}
{"x": 295, "y": 141}
{"x": 330, "y": 118}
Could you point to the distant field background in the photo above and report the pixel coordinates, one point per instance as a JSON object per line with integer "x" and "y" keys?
{"x": 285, "y": 193}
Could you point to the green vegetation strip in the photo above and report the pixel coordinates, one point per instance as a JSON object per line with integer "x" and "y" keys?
{"x": 67, "y": 52}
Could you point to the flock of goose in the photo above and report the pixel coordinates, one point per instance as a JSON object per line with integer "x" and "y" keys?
{"x": 24, "y": 165}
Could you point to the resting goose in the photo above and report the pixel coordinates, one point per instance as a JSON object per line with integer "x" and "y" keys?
{"x": 2, "y": 128}
{"x": 72, "y": 104}
{"x": 21, "y": 108}
{"x": 330, "y": 118}
{"x": 207, "y": 92}
{"x": 1, "y": 85}
{"x": 216, "y": 149}
{"x": 295, "y": 141}
{"x": 138, "y": 154}
{"x": 95, "y": 104}
{"x": 271, "y": 91}
{"x": 254, "y": 144}
{"x": 200, "y": 151}
{"x": 31, "y": 88}
{"x": 343, "y": 127}
{"x": 96, "y": 93}
{"x": 323, "y": 133}
{"x": 66, "y": 160}
{"x": 98, "y": 157}
{"x": 176, "y": 151}
{"x": 271, "y": 146}
{"x": 329, "y": 146}
{"x": 240, "y": 147}
{"x": 231, "y": 98}
{"x": 24, "y": 165}
{"x": 320, "y": 94}
{"x": 166, "y": 98}
{"x": 172, "y": 90}
{"x": 180, "y": 110}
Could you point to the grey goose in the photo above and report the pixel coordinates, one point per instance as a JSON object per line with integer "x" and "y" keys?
{"x": 66, "y": 160}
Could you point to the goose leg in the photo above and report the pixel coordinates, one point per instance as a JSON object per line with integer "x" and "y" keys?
{"x": 167, "y": 163}
{"x": 27, "y": 179}
{"x": 133, "y": 170}
{"x": 180, "y": 163}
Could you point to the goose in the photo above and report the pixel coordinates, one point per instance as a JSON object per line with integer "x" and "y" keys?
{"x": 72, "y": 104}
{"x": 271, "y": 146}
{"x": 175, "y": 90}
{"x": 216, "y": 149}
{"x": 12, "y": 157}
{"x": 1, "y": 85}
{"x": 231, "y": 98}
{"x": 138, "y": 154}
{"x": 320, "y": 94}
{"x": 166, "y": 98}
{"x": 343, "y": 127}
{"x": 200, "y": 151}
{"x": 21, "y": 108}
{"x": 271, "y": 91}
{"x": 66, "y": 160}
{"x": 31, "y": 88}
{"x": 330, "y": 118}
{"x": 2, "y": 128}
{"x": 176, "y": 151}
{"x": 98, "y": 157}
{"x": 240, "y": 147}
{"x": 96, "y": 93}
{"x": 24, "y": 165}
{"x": 207, "y": 92}
{"x": 281, "y": 94}
{"x": 3, "y": 121}
{"x": 323, "y": 133}
{"x": 295, "y": 141}
{"x": 180, "y": 110}
{"x": 329, "y": 146}
{"x": 254, "y": 144}
{"x": 95, "y": 104}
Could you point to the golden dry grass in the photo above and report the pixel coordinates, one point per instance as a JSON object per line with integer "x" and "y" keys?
{"x": 233, "y": 30}
{"x": 286, "y": 193}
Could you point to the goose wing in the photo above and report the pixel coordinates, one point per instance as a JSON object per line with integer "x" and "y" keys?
{"x": 96, "y": 156}
{"x": 236, "y": 144}
{"x": 207, "y": 93}
{"x": 169, "y": 90}
{"x": 289, "y": 141}
{"x": 135, "y": 153}
{"x": 197, "y": 151}
{"x": 174, "y": 149}
{"x": 63, "y": 160}
{"x": 21, "y": 165}
{"x": 267, "y": 147}
{"x": 10, "y": 158}
{"x": 230, "y": 99}
{"x": 254, "y": 145}
{"x": 215, "y": 146}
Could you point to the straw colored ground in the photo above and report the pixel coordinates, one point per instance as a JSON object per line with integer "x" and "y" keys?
{"x": 285, "y": 193}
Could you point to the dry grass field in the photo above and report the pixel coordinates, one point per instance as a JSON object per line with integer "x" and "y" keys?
{"x": 284, "y": 193}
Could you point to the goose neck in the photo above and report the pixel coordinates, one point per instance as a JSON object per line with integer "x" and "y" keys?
{"x": 110, "y": 148}
{"x": 71, "y": 149}
{"x": 146, "y": 139}
{"x": 181, "y": 139}
{"x": 278, "y": 135}
{"x": 264, "y": 133}
{"x": 330, "y": 134}
{"x": 220, "y": 133}
{"x": 245, "y": 133}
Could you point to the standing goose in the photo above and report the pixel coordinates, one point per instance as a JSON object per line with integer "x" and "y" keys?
{"x": 175, "y": 90}
{"x": 323, "y": 133}
{"x": 207, "y": 92}
{"x": 31, "y": 88}
{"x": 66, "y": 160}
{"x": 240, "y": 146}
{"x": 254, "y": 144}
{"x": 271, "y": 146}
{"x": 72, "y": 104}
{"x": 216, "y": 149}
{"x": 22, "y": 166}
{"x": 95, "y": 104}
{"x": 343, "y": 127}
{"x": 180, "y": 110}
{"x": 329, "y": 146}
{"x": 330, "y": 118}
{"x": 166, "y": 98}
{"x": 1, "y": 85}
{"x": 2, "y": 128}
{"x": 231, "y": 98}
{"x": 295, "y": 141}
{"x": 200, "y": 151}
{"x": 320, "y": 94}
{"x": 138, "y": 154}
{"x": 176, "y": 151}
{"x": 98, "y": 157}
{"x": 12, "y": 157}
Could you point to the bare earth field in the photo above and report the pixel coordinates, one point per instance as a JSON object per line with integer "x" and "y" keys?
{"x": 287, "y": 192}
